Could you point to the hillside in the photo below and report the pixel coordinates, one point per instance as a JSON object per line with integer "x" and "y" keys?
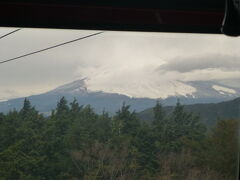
{"x": 209, "y": 113}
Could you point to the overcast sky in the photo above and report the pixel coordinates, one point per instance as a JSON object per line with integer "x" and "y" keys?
{"x": 135, "y": 64}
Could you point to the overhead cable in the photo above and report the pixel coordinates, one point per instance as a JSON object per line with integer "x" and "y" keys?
{"x": 51, "y": 47}
{"x": 5, "y": 35}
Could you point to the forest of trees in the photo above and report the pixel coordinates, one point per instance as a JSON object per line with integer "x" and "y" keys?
{"x": 75, "y": 143}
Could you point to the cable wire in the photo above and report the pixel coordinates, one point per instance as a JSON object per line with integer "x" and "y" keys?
{"x": 51, "y": 47}
{"x": 5, "y": 35}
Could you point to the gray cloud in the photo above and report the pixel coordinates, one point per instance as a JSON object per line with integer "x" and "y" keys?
{"x": 123, "y": 62}
{"x": 210, "y": 61}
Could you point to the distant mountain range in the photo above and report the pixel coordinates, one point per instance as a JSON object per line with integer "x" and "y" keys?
{"x": 209, "y": 113}
{"x": 206, "y": 92}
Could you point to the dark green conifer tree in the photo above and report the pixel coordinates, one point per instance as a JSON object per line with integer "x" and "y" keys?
{"x": 126, "y": 122}
{"x": 159, "y": 114}
{"x": 62, "y": 107}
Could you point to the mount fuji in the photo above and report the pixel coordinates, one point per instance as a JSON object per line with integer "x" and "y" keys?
{"x": 206, "y": 92}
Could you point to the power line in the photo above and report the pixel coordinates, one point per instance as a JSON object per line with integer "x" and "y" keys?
{"x": 45, "y": 49}
{"x": 9, "y": 33}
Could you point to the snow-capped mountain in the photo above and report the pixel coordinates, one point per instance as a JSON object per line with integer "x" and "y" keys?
{"x": 78, "y": 86}
{"x": 205, "y": 92}
{"x": 99, "y": 100}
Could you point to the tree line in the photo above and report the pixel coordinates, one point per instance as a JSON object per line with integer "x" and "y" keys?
{"x": 76, "y": 143}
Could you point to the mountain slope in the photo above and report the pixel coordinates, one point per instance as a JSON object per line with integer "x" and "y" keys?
{"x": 209, "y": 113}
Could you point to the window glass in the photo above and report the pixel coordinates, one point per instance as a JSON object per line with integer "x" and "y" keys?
{"x": 79, "y": 104}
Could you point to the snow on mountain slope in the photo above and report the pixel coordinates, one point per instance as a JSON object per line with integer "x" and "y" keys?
{"x": 73, "y": 87}
{"x": 211, "y": 89}
{"x": 223, "y": 90}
